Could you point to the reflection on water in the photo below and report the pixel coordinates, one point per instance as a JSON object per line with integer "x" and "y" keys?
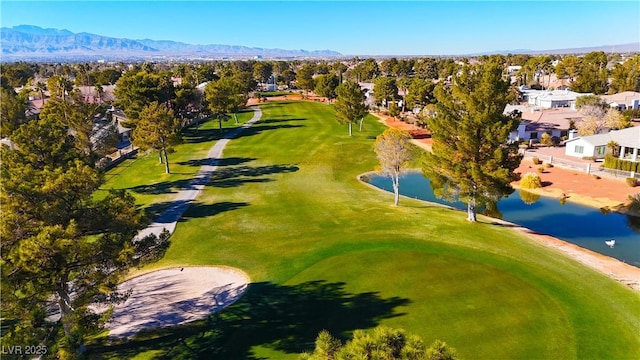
{"x": 581, "y": 225}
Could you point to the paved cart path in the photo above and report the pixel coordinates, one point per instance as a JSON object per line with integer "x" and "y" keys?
{"x": 168, "y": 219}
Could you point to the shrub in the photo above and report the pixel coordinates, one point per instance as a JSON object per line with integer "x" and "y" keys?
{"x": 612, "y": 162}
{"x": 541, "y": 169}
{"x": 631, "y": 181}
{"x": 597, "y": 177}
{"x": 548, "y": 165}
{"x": 531, "y": 181}
{"x": 536, "y": 161}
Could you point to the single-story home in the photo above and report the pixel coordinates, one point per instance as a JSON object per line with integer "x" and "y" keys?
{"x": 624, "y": 100}
{"x": 118, "y": 116}
{"x": 535, "y": 122}
{"x": 547, "y": 99}
{"x": 596, "y": 146}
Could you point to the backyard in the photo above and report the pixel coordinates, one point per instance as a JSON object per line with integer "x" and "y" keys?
{"x": 324, "y": 251}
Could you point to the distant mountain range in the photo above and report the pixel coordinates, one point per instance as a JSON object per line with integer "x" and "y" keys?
{"x": 27, "y": 42}
{"x": 619, "y": 48}
{"x": 33, "y": 43}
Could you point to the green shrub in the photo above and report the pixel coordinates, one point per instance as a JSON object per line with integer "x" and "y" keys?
{"x": 548, "y": 165}
{"x": 612, "y": 162}
{"x": 631, "y": 181}
{"x": 531, "y": 181}
{"x": 541, "y": 169}
{"x": 536, "y": 161}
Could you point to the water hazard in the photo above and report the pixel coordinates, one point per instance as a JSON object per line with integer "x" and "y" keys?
{"x": 581, "y": 225}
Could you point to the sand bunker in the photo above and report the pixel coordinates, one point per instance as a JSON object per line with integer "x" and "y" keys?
{"x": 175, "y": 296}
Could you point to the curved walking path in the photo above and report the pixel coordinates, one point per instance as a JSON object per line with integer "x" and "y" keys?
{"x": 169, "y": 219}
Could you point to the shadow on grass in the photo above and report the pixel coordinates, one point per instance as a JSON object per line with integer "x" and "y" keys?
{"x": 279, "y": 317}
{"x": 232, "y": 161}
{"x": 258, "y": 129}
{"x": 170, "y": 211}
{"x": 200, "y": 210}
{"x": 236, "y": 176}
{"x": 222, "y": 177}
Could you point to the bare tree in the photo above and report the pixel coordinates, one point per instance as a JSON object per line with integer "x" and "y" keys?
{"x": 394, "y": 153}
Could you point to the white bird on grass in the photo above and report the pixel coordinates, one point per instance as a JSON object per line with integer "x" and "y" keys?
{"x": 611, "y": 242}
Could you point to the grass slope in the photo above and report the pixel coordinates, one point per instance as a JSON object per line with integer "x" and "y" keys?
{"x": 327, "y": 252}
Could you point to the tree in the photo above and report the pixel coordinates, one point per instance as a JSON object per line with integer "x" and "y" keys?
{"x": 593, "y": 76}
{"x": 78, "y": 116}
{"x": 59, "y": 86}
{"x": 262, "y": 71}
{"x": 385, "y": 90}
{"x": 137, "y": 89}
{"x": 12, "y": 111}
{"x": 223, "y": 97}
{"x": 61, "y": 248}
{"x": 471, "y": 158}
{"x": 626, "y": 76}
{"x": 350, "y": 106}
{"x": 403, "y": 84}
{"x": 420, "y": 93}
{"x": 426, "y": 69}
{"x": 40, "y": 87}
{"x": 157, "y": 129}
{"x": 304, "y": 77}
{"x": 380, "y": 343}
{"x": 590, "y": 100}
{"x": 597, "y": 120}
{"x": 326, "y": 86}
{"x": 394, "y": 153}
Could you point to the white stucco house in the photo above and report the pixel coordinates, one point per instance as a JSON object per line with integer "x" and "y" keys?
{"x": 595, "y": 146}
{"x": 547, "y": 99}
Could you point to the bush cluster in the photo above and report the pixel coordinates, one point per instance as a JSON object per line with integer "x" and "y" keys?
{"x": 612, "y": 162}
{"x": 631, "y": 181}
{"x": 531, "y": 181}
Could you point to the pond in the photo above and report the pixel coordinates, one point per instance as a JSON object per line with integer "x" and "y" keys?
{"x": 581, "y": 225}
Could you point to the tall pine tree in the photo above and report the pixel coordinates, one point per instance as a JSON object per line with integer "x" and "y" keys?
{"x": 471, "y": 158}
{"x": 350, "y": 106}
{"x": 61, "y": 250}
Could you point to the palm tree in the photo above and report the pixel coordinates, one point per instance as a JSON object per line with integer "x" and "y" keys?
{"x": 613, "y": 147}
{"x": 41, "y": 87}
{"x": 99, "y": 91}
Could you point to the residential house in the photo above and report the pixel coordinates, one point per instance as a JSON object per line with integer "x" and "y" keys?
{"x": 548, "y": 99}
{"x": 535, "y": 122}
{"x": 597, "y": 146}
{"x": 91, "y": 95}
{"x": 624, "y": 100}
{"x": 118, "y": 116}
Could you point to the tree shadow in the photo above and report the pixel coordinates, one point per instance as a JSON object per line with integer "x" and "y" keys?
{"x": 280, "y": 317}
{"x": 196, "y": 136}
{"x": 163, "y": 187}
{"x": 236, "y": 176}
{"x": 258, "y": 129}
{"x": 200, "y": 210}
{"x": 219, "y": 162}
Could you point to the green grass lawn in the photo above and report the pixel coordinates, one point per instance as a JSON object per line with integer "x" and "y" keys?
{"x": 144, "y": 176}
{"x": 325, "y": 251}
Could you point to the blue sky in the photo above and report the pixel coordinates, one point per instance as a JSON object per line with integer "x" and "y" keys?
{"x": 352, "y": 28}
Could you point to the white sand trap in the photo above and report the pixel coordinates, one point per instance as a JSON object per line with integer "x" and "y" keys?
{"x": 175, "y": 296}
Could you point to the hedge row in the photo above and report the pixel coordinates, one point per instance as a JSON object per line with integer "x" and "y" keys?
{"x": 612, "y": 162}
